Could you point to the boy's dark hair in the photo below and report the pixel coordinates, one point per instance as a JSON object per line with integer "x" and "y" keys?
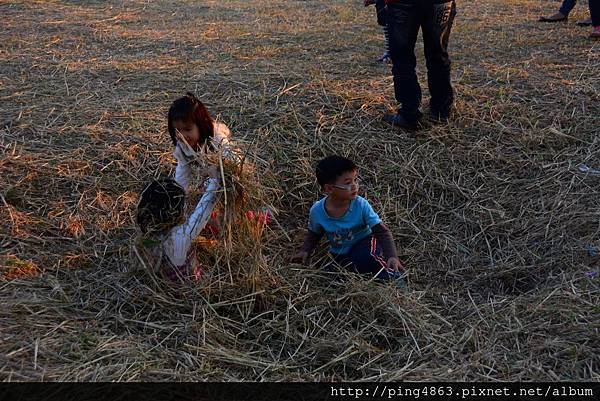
{"x": 331, "y": 167}
{"x": 160, "y": 206}
{"x": 190, "y": 109}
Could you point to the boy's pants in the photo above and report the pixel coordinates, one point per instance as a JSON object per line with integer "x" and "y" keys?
{"x": 435, "y": 18}
{"x": 365, "y": 257}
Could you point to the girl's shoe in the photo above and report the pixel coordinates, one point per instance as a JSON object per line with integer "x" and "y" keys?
{"x": 595, "y": 33}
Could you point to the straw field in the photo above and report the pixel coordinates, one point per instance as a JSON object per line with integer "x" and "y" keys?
{"x": 491, "y": 213}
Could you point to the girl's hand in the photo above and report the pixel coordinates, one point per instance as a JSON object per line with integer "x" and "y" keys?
{"x": 394, "y": 264}
{"x": 300, "y": 257}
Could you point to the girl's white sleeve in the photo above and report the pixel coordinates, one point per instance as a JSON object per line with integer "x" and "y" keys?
{"x": 180, "y": 238}
{"x": 183, "y": 170}
{"x": 222, "y": 140}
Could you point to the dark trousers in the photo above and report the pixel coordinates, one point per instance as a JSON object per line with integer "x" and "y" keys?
{"x": 365, "y": 257}
{"x": 381, "y": 11}
{"x": 435, "y": 19}
{"x": 567, "y": 6}
{"x": 595, "y": 12}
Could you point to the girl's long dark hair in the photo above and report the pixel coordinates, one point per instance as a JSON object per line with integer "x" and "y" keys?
{"x": 161, "y": 206}
{"x": 189, "y": 108}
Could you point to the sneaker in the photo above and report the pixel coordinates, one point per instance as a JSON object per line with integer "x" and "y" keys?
{"x": 385, "y": 58}
{"x": 585, "y": 22}
{"x": 554, "y": 18}
{"x": 399, "y": 121}
{"x": 595, "y": 33}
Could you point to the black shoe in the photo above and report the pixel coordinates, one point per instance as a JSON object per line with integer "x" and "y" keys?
{"x": 399, "y": 121}
{"x": 554, "y": 18}
{"x": 440, "y": 116}
{"x": 585, "y": 22}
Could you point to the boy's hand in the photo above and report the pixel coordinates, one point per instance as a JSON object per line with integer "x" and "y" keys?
{"x": 368, "y": 2}
{"x": 300, "y": 257}
{"x": 394, "y": 264}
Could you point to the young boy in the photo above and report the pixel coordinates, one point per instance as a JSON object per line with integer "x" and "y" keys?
{"x": 356, "y": 235}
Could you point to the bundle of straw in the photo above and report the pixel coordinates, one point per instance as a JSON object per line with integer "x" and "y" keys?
{"x": 236, "y": 257}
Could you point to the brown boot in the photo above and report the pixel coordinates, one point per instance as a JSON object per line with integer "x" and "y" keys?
{"x": 585, "y": 22}
{"x": 554, "y": 18}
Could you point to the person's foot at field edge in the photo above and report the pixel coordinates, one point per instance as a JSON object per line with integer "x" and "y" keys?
{"x": 585, "y": 22}
{"x": 554, "y": 18}
{"x": 595, "y": 34}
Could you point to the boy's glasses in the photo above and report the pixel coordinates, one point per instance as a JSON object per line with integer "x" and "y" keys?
{"x": 348, "y": 187}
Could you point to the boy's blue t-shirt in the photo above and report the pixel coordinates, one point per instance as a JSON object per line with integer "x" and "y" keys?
{"x": 342, "y": 233}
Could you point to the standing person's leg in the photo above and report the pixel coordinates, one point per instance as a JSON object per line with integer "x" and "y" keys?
{"x": 585, "y": 22}
{"x": 566, "y": 7}
{"x": 437, "y": 25}
{"x": 403, "y": 25}
{"x": 382, "y": 21}
{"x": 595, "y": 14}
{"x": 563, "y": 12}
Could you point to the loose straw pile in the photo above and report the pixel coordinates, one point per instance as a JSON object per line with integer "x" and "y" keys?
{"x": 492, "y": 216}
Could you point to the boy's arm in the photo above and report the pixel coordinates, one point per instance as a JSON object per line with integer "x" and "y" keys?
{"x": 380, "y": 232}
{"x": 386, "y": 241}
{"x": 311, "y": 240}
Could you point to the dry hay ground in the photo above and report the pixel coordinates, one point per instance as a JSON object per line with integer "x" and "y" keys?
{"x": 490, "y": 211}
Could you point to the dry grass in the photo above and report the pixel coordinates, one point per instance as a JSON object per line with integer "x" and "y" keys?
{"x": 490, "y": 211}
